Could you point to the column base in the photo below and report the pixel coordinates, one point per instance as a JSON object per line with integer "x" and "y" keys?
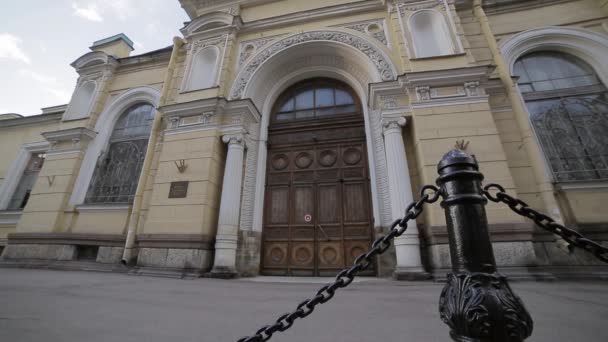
{"x": 222, "y": 272}
{"x": 411, "y": 274}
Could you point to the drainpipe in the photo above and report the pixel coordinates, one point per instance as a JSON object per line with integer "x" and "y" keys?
{"x": 145, "y": 170}
{"x": 521, "y": 116}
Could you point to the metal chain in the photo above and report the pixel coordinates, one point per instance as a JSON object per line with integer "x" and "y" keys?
{"x": 571, "y": 236}
{"x": 347, "y": 275}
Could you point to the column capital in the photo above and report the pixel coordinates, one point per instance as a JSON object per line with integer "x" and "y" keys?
{"x": 233, "y": 139}
{"x": 393, "y": 124}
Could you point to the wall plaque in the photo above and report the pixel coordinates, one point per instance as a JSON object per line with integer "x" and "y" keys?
{"x": 178, "y": 189}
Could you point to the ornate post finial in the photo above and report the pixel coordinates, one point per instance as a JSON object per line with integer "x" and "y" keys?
{"x": 476, "y": 303}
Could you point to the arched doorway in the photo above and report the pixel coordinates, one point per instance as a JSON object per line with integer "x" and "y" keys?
{"x": 317, "y": 209}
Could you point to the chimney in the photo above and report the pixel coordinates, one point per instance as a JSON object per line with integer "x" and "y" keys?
{"x": 117, "y": 46}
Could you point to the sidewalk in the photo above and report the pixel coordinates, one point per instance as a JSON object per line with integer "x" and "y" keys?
{"x": 64, "y": 306}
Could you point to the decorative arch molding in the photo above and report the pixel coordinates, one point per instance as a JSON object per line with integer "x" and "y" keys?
{"x": 207, "y": 22}
{"x": 385, "y": 69}
{"x": 105, "y": 123}
{"x": 93, "y": 58}
{"x": 592, "y": 47}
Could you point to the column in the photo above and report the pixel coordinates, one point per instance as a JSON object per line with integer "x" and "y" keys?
{"x": 224, "y": 264}
{"x": 407, "y": 246}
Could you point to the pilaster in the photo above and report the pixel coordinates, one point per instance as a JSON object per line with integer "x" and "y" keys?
{"x": 48, "y": 201}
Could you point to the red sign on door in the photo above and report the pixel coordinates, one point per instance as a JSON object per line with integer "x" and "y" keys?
{"x": 307, "y": 218}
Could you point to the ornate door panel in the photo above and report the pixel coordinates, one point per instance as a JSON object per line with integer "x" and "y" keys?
{"x": 317, "y": 212}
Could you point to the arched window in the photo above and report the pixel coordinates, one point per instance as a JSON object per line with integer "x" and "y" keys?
{"x": 203, "y": 70}
{"x": 118, "y": 168}
{"x": 568, "y": 108}
{"x": 81, "y": 101}
{"x": 316, "y": 98}
{"x": 430, "y": 34}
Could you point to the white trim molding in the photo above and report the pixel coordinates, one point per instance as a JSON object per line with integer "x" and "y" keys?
{"x": 15, "y": 171}
{"x": 590, "y": 46}
{"x": 9, "y": 218}
{"x": 375, "y": 54}
{"x": 104, "y": 127}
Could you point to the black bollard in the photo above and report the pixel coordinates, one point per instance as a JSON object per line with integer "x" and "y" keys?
{"x": 476, "y": 302}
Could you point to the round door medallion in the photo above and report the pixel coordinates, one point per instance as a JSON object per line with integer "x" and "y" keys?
{"x": 302, "y": 255}
{"x": 303, "y": 160}
{"x": 280, "y": 161}
{"x": 327, "y": 158}
{"x": 276, "y": 255}
{"x": 330, "y": 255}
{"x": 351, "y": 156}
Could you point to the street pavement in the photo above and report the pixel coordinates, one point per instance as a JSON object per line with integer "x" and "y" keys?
{"x": 64, "y": 306}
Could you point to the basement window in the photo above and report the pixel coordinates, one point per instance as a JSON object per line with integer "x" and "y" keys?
{"x": 88, "y": 253}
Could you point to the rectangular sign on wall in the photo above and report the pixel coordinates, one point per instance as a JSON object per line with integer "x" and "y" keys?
{"x": 178, "y": 189}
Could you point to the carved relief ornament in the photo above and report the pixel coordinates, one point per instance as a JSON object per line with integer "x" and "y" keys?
{"x": 379, "y": 60}
{"x": 218, "y": 41}
{"x": 409, "y": 5}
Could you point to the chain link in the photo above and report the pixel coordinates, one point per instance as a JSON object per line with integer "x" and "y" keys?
{"x": 428, "y": 194}
{"x": 571, "y": 236}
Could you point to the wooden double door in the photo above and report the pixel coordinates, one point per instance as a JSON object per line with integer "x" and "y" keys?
{"x": 318, "y": 215}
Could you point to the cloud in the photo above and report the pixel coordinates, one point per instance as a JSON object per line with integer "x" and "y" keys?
{"x": 9, "y": 48}
{"x": 97, "y": 10}
{"x": 38, "y": 77}
{"x": 137, "y": 45}
{"x": 89, "y": 12}
{"x": 47, "y": 83}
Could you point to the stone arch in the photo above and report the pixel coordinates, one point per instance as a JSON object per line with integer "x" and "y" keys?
{"x": 309, "y": 58}
{"x": 375, "y": 55}
{"x": 591, "y": 47}
{"x": 104, "y": 126}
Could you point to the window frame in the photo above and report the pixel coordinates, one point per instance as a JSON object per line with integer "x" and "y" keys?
{"x": 16, "y": 170}
{"x": 108, "y": 149}
{"x": 104, "y": 127}
{"x": 313, "y": 84}
{"x": 560, "y": 94}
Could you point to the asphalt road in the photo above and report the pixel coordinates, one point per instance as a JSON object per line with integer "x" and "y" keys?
{"x": 63, "y": 306}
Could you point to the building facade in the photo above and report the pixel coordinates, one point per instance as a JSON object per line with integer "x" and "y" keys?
{"x": 281, "y": 137}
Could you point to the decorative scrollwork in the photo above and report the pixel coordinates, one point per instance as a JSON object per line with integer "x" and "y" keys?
{"x": 482, "y": 306}
{"x": 379, "y": 60}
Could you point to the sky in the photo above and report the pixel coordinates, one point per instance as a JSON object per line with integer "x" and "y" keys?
{"x": 40, "y": 38}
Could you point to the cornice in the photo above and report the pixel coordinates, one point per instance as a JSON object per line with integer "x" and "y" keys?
{"x": 94, "y": 61}
{"x": 159, "y": 57}
{"x": 504, "y": 6}
{"x": 31, "y": 120}
{"x": 432, "y": 88}
{"x": 209, "y": 113}
{"x": 314, "y": 14}
{"x": 447, "y": 76}
{"x": 70, "y": 134}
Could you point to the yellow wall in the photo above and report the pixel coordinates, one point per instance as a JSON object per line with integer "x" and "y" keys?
{"x": 204, "y": 155}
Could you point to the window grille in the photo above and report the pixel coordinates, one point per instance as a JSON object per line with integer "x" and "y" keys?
{"x": 568, "y": 108}
{"x": 118, "y": 169}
